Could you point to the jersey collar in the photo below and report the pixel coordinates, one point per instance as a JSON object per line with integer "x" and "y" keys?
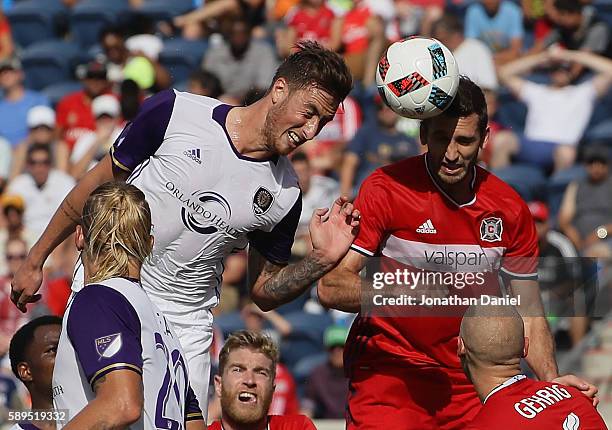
{"x": 504, "y": 385}
{"x": 444, "y": 193}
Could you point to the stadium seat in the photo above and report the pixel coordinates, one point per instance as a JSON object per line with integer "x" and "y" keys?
{"x": 89, "y": 18}
{"x": 181, "y": 56}
{"x": 163, "y": 10}
{"x": 528, "y": 181}
{"x": 34, "y": 20}
{"x": 47, "y": 63}
{"x": 57, "y": 91}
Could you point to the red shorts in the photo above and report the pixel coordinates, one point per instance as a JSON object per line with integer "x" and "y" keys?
{"x": 414, "y": 398}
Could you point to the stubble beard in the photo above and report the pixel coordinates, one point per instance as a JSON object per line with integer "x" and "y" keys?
{"x": 230, "y": 405}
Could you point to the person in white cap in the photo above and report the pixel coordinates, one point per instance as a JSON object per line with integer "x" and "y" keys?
{"x": 93, "y": 146}
{"x": 41, "y": 130}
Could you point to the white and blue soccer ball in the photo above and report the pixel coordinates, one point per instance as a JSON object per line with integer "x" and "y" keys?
{"x": 417, "y": 77}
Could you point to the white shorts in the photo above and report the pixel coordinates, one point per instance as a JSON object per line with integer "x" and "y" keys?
{"x": 195, "y": 332}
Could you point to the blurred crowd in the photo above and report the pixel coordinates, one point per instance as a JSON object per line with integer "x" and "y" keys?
{"x": 544, "y": 65}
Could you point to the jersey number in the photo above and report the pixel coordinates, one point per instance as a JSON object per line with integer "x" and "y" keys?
{"x": 172, "y": 382}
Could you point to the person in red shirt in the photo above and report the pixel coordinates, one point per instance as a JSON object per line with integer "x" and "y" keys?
{"x": 245, "y": 385}
{"x": 437, "y": 213}
{"x": 491, "y": 344}
{"x": 74, "y": 115}
{"x": 310, "y": 20}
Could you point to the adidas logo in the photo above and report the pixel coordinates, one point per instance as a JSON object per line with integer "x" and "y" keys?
{"x": 427, "y": 227}
{"x": 194, "y": 154}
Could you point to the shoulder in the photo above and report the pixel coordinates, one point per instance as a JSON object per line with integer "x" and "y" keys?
{"x": 60, "y": 178}
{"x": 508, "y": 7}
{"x": 288, "y": 175}
{"x": 21, "y": 180}
{"x": 97, "y": 295}
{"x": 409, "y": 171}
{"x": 194, "y": 100}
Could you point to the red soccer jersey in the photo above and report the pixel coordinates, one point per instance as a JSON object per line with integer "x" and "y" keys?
{"x": 407, "y": 219}
{"x": 316, "y": 26}
{"x": 279, "y": 422}
{"x": 522, "y": 403}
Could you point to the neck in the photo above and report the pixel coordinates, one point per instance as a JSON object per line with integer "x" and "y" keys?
{"x": 229, "y": 424}
{"x": 42, "y": 401}
{"x": 243, "y": 125}
{"x": 15, "y": 93}
{"x": 487, "y": 378}
{"x": 90, "y": 269}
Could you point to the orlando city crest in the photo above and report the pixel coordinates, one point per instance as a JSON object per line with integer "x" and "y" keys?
{"x": 491, "y": 229}
{"x": 262, "y": 201}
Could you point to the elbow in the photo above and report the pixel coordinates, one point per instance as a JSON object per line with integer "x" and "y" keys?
{"x": 325, "y": 293}
{"x": 129, "y": 413}
{"x": 263, "y": 303}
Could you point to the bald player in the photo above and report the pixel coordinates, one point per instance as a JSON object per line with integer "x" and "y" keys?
{"x": 491, "y": 344}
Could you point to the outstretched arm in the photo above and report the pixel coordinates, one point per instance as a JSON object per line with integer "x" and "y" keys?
{"x": 28, "y": 278}
{"x": 276, "y": 284}
{"x": 602, "y": 66}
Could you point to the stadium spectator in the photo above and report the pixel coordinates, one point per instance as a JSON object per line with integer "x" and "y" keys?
{"x": 42, "y": 130}
{"x": 240, "y": 62}
{"x": 205, "y": 83}
{"x": 553, "y": 126}
{"x": 585, "y": 215}
{"x": 559, "y": 275}
{"x": 122, "y": 64}
{"x": 192, "y": 23}
{"x": 245, "y": 385}
{"x": 16, "y": 102}
{"x": 499, "y": 24}
{"x": 74, "y": 116}
{"x": 110, "y": 373}
{"x": 14, "y": 251}
{"x": 32, "y": 354}
{"x": 327, "y": 387}
{"x": 6, "y": 39}
{"x": 43, "y": 188}
{"x": 317, "y": 192}
{"x": 93, "y": 146}
{"x": 417, "y": 16}
{"x": 474, "y": 58}
{"x": 309, "y": 20}
{"x": 360, "y": 36}
{"x": 13, "y": 207}
{"x": 409, "y": 214}
{"x": 491, "y": 344}
{"x": 375, "y": 144}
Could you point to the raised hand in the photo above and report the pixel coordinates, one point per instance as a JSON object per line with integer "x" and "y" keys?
{"x": 332, "y": 231}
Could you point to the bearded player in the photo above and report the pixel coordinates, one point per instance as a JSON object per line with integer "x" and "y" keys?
{"x": 245, "y": 385}
{"x": 430, "y": 211}
{"x": 217, "y": 179}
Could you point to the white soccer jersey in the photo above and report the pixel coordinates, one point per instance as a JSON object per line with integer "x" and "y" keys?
{"x": 114, "y": 326}
{"x": 206, "y": 199}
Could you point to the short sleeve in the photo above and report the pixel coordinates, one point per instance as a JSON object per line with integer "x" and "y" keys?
{"x": 105, "y": 332}
{"x": 276, "y": 245}
{"x": 521, "y": 257}
{"x": 192, "y": 407}
{"x": 375, "y": 211}
{"x": 144, "y": 135}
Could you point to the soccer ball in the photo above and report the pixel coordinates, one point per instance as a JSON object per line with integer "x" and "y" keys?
{"x": 417, "y": 77}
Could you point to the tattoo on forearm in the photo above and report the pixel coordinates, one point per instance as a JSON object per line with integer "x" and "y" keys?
{"x": 72, "y": 213}
{"x": 292, "y": 280}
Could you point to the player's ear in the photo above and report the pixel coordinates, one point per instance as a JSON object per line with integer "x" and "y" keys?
{"x": 79, "y": 238}
{"x": 23, "y": 370}
{"x": 280, "y": 90}
{"x": 485, "y": 140}
{"x": 526, "y": 347}
{"x": 152, "y": 240}
{"x": 460, "y": 347}
{"x": 218, "y": 381}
